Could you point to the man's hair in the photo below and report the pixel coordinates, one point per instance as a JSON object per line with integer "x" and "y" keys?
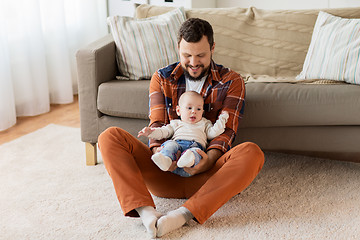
{"x": 193, "y": 29}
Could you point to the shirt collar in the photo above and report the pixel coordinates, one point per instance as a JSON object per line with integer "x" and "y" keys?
{"x": 213, "y": 76}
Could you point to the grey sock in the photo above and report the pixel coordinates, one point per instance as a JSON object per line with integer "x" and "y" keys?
{"x": 149, "y": 217}
{"x": 173, "y": 220}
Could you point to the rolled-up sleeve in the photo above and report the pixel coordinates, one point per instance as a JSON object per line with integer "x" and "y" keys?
{"x": 157, "y": 109}
{"x": 233, "y": 103}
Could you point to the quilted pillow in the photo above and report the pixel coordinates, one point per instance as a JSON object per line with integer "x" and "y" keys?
{"x": 334, "y": 50}
{"x": 145, "y": 45}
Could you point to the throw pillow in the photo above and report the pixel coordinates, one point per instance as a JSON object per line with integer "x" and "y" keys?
{"x": 145, "y": 45}
{"x": 334, "y": 50}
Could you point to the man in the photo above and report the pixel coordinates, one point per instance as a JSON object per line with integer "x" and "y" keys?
{"x": 222, "y": 172}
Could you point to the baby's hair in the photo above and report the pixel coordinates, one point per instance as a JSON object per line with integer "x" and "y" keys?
{"x": 190, "y": 94}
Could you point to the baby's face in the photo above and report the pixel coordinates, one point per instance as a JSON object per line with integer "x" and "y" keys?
{"x": 191, "y": 109}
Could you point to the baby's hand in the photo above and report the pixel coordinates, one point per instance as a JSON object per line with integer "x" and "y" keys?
{"x": 224, "y": 116}
{"x": 146, "y": 131}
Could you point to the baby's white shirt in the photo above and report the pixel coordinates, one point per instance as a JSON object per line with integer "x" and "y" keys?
{"x": 200, "y": 132}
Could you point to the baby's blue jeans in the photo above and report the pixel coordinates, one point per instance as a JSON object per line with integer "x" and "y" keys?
{"x": 171, "y": 147}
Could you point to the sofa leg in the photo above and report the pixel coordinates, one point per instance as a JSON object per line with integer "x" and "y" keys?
{"x": 91, "y": 154}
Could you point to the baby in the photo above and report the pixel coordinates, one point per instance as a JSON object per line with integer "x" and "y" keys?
{"x": 187, "y": 135}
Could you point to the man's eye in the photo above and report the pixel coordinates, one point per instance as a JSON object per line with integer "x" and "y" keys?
{"x": 199, "y": 109}
{"x": 189, "y": 108}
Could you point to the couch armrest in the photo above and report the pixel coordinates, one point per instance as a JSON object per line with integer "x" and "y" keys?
{"x": 96, "y": 63}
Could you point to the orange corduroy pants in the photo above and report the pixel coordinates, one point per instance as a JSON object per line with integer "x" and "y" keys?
{"x": 134, "y": 175}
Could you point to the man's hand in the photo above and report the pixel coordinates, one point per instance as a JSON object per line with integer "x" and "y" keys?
{"x": 173, "y": 165}
{"x": 207, "y": 161}
{"x": 156, "y": 149}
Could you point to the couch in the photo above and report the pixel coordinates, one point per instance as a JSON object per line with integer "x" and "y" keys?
{"x": 268, "y": 47}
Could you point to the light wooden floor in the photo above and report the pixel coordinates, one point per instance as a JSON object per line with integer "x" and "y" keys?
{"x": 62, "y": 114}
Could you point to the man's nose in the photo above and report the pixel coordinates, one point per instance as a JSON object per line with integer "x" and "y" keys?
{"x": 193, "y": 61}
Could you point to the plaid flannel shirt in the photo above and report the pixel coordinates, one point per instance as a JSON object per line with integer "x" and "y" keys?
{"x": 223, "y": 89}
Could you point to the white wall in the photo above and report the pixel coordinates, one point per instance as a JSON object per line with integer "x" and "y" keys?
{"x": 122, "y": 8}
{"x": 288, "y": 4}
{"x": 344, "y": 3}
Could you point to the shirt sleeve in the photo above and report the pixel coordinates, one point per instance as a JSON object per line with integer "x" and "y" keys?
{"x": 157, "y": 109}
{"x": 163, "y": 132}
{"x": 233, "y": 103}
{"x": 219, "y": 127}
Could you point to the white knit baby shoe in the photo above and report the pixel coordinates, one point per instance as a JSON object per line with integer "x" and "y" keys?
{"x": 187, "y": 159}
{"x": 162, "y": 161}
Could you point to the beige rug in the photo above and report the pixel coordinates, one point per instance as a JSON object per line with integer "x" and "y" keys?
{"x": 47, "y": 192}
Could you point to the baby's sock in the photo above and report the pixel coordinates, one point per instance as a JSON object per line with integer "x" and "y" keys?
{"x": 187, "y": 159}
{"x": 173, "y": 220}
{"x": 162, "y": 161}
{"x": 149, "y": 217}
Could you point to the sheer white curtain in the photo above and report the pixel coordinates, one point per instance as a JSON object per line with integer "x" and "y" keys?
{"x": 38, "y": 41}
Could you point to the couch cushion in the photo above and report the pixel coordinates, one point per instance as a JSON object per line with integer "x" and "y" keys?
{"x": 267, "y": 104}
{"x": 145, "y": 45}
{"x": 286, "y": 104}
{"x": 128, "y": 99}
{"x": 334, "y": 51}
{"x": 255, "y": 41}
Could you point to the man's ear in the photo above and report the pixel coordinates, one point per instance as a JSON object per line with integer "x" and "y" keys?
{"x": 178, "y": 110}
{"x": 213, "y": 48}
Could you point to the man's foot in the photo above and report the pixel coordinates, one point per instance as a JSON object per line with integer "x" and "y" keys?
{"x": 162, "y": 161}
{"x": 149, "y": 217}
{"x": 173, "y": 220}
{"x": 186, "y": 160}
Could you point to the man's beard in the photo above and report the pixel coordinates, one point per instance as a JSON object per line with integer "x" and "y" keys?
{"x": 202, "y": 74}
